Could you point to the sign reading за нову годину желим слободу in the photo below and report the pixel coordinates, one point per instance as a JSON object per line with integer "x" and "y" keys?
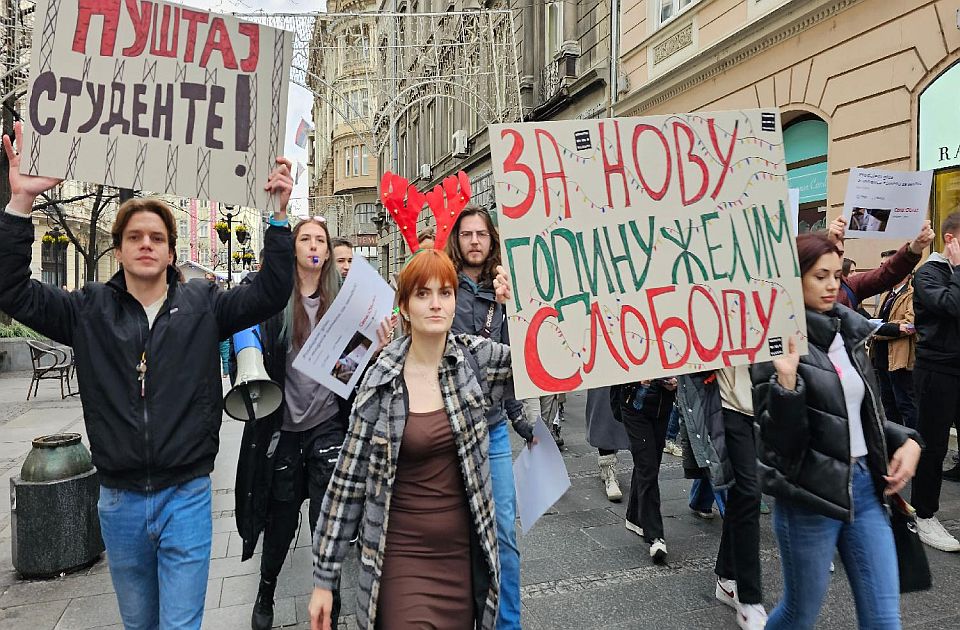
{"x": 645, "y": 247}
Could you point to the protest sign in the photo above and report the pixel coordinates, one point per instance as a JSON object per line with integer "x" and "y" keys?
{"x": 343, "y": 341}
{"x": 886, "y": 204}
{"x": 156, "y": 96}
{"x": 645, "y": 247}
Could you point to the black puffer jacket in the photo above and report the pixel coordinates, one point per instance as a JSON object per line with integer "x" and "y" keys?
{"x": 804, "y": 442}
{"x": 166, "y": 430}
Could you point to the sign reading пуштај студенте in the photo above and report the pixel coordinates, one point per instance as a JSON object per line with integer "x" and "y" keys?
{"x": 157, "y": 96}
{"x": 645, "y": 247}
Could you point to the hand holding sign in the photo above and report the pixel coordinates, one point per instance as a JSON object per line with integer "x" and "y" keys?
{"x": 280, "y": 183}
{"x": 787, "y": 364}
{"x": 502, "y": 286}
{"x": 23, "y": 188}
{"x": 923, "y": 240}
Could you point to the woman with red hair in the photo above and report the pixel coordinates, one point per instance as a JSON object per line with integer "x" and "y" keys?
{"x": 413, "y": 477}
{"x": 827, "y": 454}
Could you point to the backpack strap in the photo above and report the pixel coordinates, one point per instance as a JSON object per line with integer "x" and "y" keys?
{"x": 472, "y": 362}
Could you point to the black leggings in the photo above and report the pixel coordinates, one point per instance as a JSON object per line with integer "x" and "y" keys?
{"x": 303, "y": 464}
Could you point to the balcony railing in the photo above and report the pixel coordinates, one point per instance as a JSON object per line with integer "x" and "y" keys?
{"x": 549, "y": 81}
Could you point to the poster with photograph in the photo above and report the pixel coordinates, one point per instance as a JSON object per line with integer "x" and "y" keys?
{"x": 886, "y": 204}
{"x": 645, "y": 247}
{"x": 340, "y": 346}
{"x": 156, "y": 96}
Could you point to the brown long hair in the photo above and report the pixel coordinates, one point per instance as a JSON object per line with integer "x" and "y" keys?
{"x": 295, "y": 317}
{"x": 453, "y": 243}
{"x": 810, "y": 247}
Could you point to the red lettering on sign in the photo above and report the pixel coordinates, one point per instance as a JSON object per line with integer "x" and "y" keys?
{"x": 691, "y": 158}
{"x": 706, "y": 354}
{"x": 630, "y": 310}
{"x": 252, "y": 33}
{"x": 218, "y": 39}
{"x": 661, "y": 327}
{"x": 656, "y": 195}
{"x": 596, "y": 323}
{"x": 193, "y": 19}
{"x": 531, "y": 354}
{"x": 512, "y": 165}
{"x": 109, "y": 10}
{"x": 614, "y": 168}
{"x": 548, "y": 175}
{"x": 725, "y": 160}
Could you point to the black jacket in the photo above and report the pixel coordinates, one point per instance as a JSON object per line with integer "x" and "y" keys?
{"x": 804, "y": 444}
{"x": 936, "y": 307}
{"x": 255, "y": 466}
{"x": 171, "y": 434}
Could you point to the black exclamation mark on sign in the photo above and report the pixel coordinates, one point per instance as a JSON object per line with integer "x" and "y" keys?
{"x": 242, "y": 132}
{"x": 243, "y": 113}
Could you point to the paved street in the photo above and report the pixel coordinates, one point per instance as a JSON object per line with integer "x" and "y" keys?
{"x": 581, "y": 568}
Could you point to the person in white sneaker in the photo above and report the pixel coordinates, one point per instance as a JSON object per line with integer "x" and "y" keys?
{"x": 826, "y": 452}
{"x": 936, "y": 376}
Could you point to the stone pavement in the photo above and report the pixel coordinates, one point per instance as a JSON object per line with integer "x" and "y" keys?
{"x": 581, "y": 568}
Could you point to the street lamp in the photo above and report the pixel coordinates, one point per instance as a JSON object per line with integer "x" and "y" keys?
{"x": 226, "y": 237}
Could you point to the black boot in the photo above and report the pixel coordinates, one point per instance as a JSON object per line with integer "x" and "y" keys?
{"x": 263, "y": 608}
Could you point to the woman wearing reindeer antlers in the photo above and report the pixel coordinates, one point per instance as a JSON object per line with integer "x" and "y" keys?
{"x": 414, "y": 468}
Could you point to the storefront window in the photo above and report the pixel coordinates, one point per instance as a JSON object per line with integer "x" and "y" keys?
{"x": 946, "y": 198}
{"x": 805, "y": 149}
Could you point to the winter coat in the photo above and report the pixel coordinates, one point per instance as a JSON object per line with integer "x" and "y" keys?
{"x": 165, "y": 430}
{"x": 362, "y": 483}
{"x": 936, "y": 304}
{"x": 867, "y": 284}
{"x": 603, "y": 431}
{"x": 701, "y": 416}
{"x": 901, "y": 350}
{"x": 804, "y": 440}
{"x": 255, "y": 465}
{"x": 474, "y": 304}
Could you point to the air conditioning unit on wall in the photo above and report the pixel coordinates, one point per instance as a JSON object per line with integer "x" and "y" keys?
{"x": 461, "y": 144}
{"x": 425, "y": 171}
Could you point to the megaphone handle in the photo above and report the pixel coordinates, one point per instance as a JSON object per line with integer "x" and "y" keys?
{"x": 248, "y": 402}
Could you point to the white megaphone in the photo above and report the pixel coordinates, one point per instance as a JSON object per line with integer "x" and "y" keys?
{"x": 254, "y": 395}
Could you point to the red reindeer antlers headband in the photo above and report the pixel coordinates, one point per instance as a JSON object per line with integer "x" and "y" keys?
{"x": 446, "y": 202}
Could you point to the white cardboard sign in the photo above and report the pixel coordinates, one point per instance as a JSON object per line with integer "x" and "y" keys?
{"x": 343, "y": 341}
{"x": 156, "y": 96}
{"x": 886, "y": 204}
{"x": 645, "y": 247}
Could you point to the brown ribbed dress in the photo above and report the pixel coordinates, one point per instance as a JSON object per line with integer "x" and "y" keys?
{"x": 425, "y": 583}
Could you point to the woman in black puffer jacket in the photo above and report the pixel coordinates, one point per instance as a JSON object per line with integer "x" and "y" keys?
{"x": 830, "y": 457}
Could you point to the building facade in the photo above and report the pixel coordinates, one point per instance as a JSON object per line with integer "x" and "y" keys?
{"x": 342, "y": 163}
{"x": 563, "y": 53}
{"x": 868, "y": 83}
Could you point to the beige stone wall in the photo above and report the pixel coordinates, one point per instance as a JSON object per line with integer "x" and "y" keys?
{"x": 859, "y": 65}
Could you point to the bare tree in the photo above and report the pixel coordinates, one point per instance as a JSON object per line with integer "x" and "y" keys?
{"x": 84, "y": 228}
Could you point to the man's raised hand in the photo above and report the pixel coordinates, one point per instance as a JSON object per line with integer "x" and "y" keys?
{"x": 23, "y": 188}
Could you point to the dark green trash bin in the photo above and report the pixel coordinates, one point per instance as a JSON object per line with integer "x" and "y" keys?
{"x": 53, "y": 508}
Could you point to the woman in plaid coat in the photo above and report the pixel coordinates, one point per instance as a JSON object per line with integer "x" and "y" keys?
{"x": 461, "y": 376}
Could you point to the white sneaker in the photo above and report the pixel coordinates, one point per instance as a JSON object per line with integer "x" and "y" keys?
{"x": 658, "y": 551}
{"x": 636, "y": 529}
{"x": 933, "y": 534}
{"x": 672, "y": 448}
{"x": 751, "y": 616}
{"x": 726, "y": 592}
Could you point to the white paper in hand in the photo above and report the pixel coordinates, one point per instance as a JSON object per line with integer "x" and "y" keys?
{"x": 540, "y": 476}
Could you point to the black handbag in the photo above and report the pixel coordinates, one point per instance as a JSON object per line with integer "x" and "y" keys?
{"x": 911, "y": 557}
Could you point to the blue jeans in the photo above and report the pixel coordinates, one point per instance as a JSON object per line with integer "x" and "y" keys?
{"x": 807, "y": 541}
{"x": 673, "y": 426}
{"x": 505, "y": 502}
{"x": 158, "y": 550}
{"x": 702, "y": 496}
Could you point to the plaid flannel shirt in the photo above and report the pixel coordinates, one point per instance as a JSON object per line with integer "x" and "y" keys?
{"x": 362, "y": 483}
